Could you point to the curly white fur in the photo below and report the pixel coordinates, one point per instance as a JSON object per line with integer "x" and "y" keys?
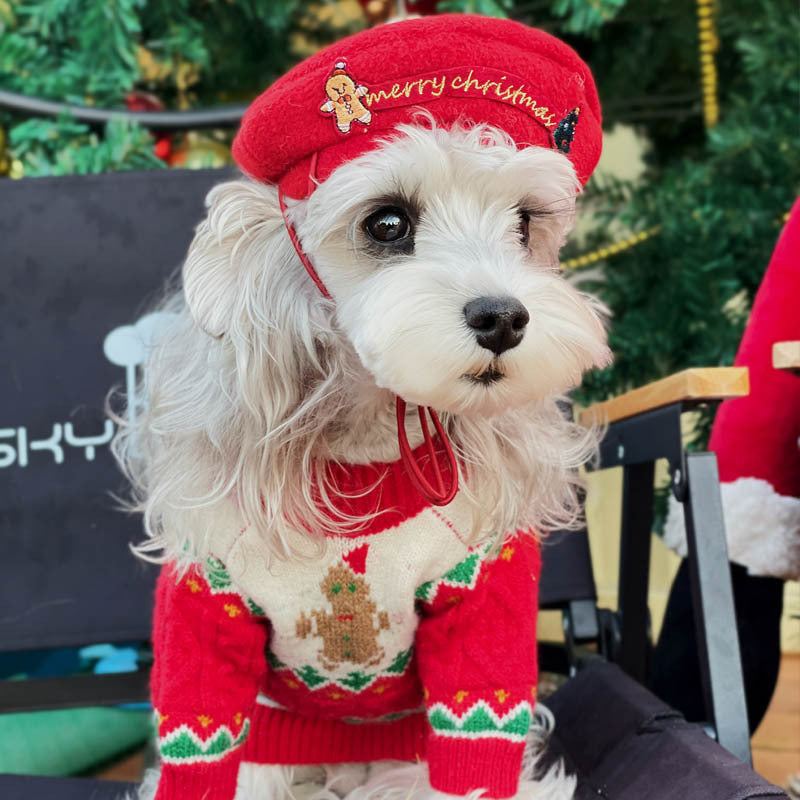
{"x": 260, "y": 380}
{"x": 760, "y": 525}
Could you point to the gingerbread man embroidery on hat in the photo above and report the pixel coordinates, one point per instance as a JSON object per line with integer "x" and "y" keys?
{"x": 343, "y": 99}
{"x": 349, "y": 633}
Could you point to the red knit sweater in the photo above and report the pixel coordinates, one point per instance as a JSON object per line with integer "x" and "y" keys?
{"x": 398, "y": 642}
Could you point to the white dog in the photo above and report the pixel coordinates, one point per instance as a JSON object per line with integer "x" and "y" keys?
{"x": 441, "y": 251}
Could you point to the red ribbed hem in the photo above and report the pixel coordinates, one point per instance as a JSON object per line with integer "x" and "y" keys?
{"x": 459, "y": 766}
{"x": 215, "y": 781}
{"x": 281, "y": 737}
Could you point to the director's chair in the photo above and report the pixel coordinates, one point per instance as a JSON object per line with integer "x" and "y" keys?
{"x": 83, "y": 256}
{"x": 622, "y": 741}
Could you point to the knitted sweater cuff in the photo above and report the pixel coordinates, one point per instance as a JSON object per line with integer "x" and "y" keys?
{"x": 458, "y": 766}
{"x": 199, "y": 781}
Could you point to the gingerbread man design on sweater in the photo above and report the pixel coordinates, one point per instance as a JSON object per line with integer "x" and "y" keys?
{"x": 343, "y": 99}
{"x": 349, "y": 633}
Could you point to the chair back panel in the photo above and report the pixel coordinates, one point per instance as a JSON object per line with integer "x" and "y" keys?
{"x": 81, "y": 257}
{"x": 566, "y": 569}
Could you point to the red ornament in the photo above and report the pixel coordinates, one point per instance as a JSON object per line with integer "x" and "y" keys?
{"x": 144, "y": 101}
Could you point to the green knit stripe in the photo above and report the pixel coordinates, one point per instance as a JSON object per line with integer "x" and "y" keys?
{"x": 217, "y": 576}
{"x": 391, "y": 717}
{"x": 400, "y": 662}
{"x": 184, "y": 746}
{"x": 423, "y": 592}
{"x": 481, "y": 721}
{"x": 273, "y": 660}
{"x": 463, "y": 575}
{"x": 219, "y": 582}
{"x": 355, "y": 681}
{"x": 310, "y": 676}
{"x": 253, "y": 607}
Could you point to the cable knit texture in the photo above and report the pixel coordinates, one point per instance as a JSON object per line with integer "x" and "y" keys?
{"x": 399, "y": 641}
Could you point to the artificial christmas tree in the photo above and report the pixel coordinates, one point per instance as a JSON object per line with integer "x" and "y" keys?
{"x": 703, "y": 216}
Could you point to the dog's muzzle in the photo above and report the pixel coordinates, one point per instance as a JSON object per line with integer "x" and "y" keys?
{"x": 443, "y": 488}
{"x": 498, "y": 322}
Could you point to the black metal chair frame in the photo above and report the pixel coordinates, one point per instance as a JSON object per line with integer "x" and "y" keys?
{"x": 623, "y": 637}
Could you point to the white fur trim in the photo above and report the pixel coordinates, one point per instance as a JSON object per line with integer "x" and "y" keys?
{"x": 762, "y": 526}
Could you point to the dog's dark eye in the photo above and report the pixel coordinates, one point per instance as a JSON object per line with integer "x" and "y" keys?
{"x": 387, "y": 225}
{"x": 524, "y": 221}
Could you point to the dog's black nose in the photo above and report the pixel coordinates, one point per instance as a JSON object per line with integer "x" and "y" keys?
{"x": 499, "y": 322}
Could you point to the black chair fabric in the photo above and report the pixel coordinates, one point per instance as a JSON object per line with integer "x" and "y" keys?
{"x": 626, "y": 744}
{"x": 81, "y": 257}
{"x": 566, "y": 569}
{"x": 23, "y": 787}
{"x": 676, "y": 673}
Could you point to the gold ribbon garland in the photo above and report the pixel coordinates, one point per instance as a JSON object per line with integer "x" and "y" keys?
{"x": 709, "y": 44}
{"x": 602, "y": 253}
{"x": 586, "y": 260}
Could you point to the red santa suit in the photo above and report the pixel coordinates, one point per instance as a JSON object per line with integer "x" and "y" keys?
{"x": 756, "y": 437}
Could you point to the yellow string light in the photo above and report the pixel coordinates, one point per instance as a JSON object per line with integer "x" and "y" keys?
{"x": 709, "y": 44}
{"x": 601, "y": 254}
{"x": 587, "y": 259}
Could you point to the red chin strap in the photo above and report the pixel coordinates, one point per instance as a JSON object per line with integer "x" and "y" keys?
{"x": 440, "y": 494}
{"x": 444, "y": 487}
{"x": 299, "y": 250}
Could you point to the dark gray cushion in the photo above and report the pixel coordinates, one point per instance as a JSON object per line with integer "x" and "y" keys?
{"x": 626, "y": 744}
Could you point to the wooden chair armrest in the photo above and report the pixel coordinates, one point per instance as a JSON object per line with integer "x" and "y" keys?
{"x": 692, "y": 386}
{"x": 786, "y": 355}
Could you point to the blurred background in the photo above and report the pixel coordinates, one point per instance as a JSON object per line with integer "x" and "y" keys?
{"x": 700, "y": 104}
{"x": 701, "y": 165}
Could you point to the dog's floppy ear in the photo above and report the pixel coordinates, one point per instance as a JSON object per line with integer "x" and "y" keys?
{"x": 237, "y": 211}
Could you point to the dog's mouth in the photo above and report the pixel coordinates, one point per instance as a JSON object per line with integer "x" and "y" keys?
{"x": 487, "y": 377}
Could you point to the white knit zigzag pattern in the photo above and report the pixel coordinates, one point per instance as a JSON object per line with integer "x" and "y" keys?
{"x": 481, "y": 721}
{"x": 183, "y": 746}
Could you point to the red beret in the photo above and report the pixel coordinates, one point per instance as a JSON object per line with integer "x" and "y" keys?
{"x": 340, "y": 102}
